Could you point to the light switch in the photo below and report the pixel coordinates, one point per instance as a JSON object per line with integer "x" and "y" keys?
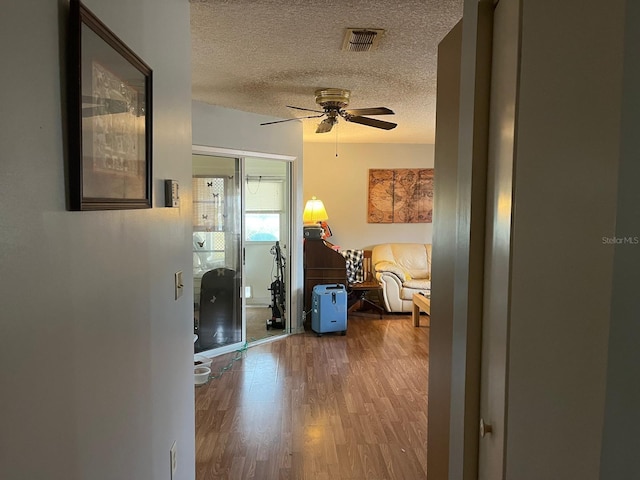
{"x": 179, "y": 284}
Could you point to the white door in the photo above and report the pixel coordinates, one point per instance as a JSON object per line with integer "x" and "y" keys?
{"x": 497, "y": 266}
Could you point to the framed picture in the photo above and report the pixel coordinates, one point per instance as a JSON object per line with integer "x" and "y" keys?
{"x": 401, "y": 195}
{"x": 109, "y": 118}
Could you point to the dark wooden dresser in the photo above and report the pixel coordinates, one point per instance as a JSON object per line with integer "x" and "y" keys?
{"x": 322, "y": 265}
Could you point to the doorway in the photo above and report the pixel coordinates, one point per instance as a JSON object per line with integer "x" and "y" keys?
{"x": 267, "y": 229}
{"x": 241, "y": 238}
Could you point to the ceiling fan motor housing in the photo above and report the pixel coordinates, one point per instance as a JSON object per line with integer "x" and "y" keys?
{"x": 332, "y": 97}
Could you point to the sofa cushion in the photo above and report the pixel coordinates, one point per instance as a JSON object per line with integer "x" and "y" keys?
{"x": 407, "y": 293}
{"x": 412, "y": 258}
{"x": 418, "y": 284}
{"x": 414, "y": 286}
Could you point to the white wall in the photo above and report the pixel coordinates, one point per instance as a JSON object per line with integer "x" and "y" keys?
{"x": 342, "y": 184}
{"x": 96, "y": 354}
{"x": 215, "y": 126}
{"x": 259, "y": 272}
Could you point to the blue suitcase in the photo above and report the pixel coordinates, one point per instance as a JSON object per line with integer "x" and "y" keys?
{"x": 329, "y": 309}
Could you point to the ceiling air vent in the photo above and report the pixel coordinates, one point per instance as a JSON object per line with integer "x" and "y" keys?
{"x": 362, "y": 39}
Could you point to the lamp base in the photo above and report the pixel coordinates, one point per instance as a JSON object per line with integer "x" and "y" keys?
{"x": 313, "y": 231}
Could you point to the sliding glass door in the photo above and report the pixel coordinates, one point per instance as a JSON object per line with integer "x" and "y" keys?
{"x": 241, "y": 250}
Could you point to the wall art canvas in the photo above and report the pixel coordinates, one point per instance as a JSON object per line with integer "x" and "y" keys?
{"x": 402, "y": 195}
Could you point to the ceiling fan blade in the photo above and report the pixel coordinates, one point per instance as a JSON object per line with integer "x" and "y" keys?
{"x": 371, "y": 122}
{"x": 370, "y": 111}
{"x": 290, "y": 119}
{"x": 305, "y": 109}
{"x": 326, "y": 125}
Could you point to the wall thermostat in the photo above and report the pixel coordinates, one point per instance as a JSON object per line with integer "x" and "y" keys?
{"x": 171, "y": 194}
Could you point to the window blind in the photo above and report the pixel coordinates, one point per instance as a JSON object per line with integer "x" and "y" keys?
{"x": 264, "y": 195}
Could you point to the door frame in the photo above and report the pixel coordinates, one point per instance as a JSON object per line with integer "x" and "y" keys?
{"x": 467, "y": 289}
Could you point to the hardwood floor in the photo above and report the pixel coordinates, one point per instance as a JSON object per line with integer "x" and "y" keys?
{"x": 332, "y": 407}
{"x": 257, "y": 324}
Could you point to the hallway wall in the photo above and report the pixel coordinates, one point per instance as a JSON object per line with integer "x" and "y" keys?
{"x": 96, "y": 353}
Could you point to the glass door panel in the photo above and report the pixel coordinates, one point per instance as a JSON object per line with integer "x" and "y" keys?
{"x": 266, "y": 242}
{"x": 217, "y": 267}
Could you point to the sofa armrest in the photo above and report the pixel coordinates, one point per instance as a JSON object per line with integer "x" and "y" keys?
{"x": 393, "y": 269}
{"x": 389, "y": 277}
{"x": 391, "y": 288}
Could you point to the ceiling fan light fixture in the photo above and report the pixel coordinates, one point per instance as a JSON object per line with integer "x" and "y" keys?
{"x": 362, "y": 39}
{"x": 332, "y": 97}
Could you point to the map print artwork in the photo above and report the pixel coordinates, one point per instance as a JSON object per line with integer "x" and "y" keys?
{"x": 403, "y": 195}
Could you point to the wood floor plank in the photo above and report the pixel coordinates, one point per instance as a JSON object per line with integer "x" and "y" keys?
{"x": 334, "y": 407}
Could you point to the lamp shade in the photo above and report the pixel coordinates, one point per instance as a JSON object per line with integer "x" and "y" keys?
{"x": 314, "y": 212}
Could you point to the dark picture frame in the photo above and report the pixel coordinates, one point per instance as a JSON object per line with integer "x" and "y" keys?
{"x": 109, "y": 118}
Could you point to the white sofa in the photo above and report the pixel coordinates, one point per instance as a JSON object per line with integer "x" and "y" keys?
{"x": 403, "y": 269}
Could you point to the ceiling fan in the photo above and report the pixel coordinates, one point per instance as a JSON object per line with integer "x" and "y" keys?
{"x": 334, "y": 101}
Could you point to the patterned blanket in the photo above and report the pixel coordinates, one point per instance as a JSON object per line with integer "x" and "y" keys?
{"x": 354, "y": 265}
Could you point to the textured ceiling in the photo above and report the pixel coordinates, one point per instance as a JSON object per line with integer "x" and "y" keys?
{"x": 260, "y": 55}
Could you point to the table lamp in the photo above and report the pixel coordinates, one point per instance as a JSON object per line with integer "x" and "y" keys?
{"x": 314, "y": 212}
